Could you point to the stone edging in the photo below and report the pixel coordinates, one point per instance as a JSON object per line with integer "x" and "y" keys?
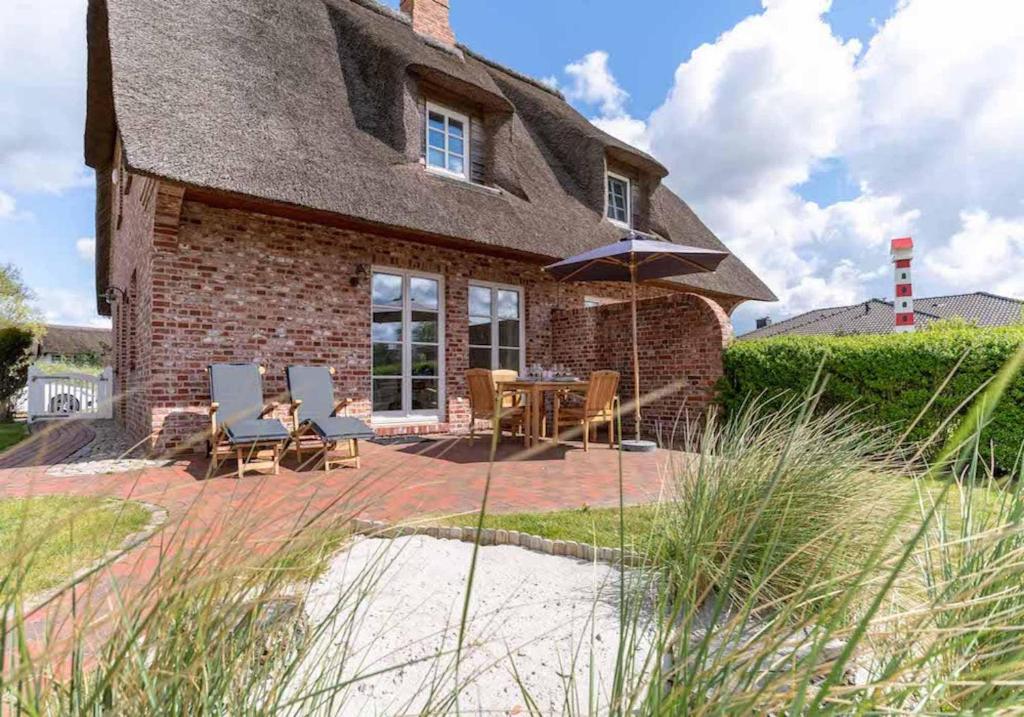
{"x": 157, "y": 517}
{"x": 490, "y": 536}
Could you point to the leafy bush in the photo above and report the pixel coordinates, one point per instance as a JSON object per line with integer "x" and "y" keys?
{"x": 891, "y": 378}
{"x": 15, "y": 344}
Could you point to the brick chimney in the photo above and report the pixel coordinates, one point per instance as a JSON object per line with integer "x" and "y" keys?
{"x": 430, "y": 18}
{"x": 902, "y": 253}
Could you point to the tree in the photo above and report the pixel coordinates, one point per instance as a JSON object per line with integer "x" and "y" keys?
{"x": 15, "y": 356}
{"x": 16, "y": 300}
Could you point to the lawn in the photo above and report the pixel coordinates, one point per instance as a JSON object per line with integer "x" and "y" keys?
{"x": 11, "y": 433}
{"x": 51, "y": 537}
{"x": 596, "y": 526}
{"x": 600, "y": 526}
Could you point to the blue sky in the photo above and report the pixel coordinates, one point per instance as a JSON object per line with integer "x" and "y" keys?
{"x": 805, "y": 133}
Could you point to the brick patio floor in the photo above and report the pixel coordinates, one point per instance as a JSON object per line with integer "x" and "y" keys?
{"x": 395, "y": 483}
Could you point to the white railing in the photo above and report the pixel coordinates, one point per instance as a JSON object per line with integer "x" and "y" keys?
{"x": 69, "y": 395}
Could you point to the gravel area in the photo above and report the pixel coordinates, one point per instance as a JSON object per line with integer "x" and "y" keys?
{"x": 555, "y": 619}
{"x": 111, "y": 451}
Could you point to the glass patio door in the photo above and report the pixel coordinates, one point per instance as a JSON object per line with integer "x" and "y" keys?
{"x": 408, "y": 355}
{"x": 496, "y": 337}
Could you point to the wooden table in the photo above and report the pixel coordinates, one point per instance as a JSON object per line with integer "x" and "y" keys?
{"x": 535, "y": 391}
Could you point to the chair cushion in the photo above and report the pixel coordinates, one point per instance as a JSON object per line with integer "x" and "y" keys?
{"x": 256, "y": 431}
{"x": 336, "y": 428}
{"x": 313, "y": 386}
{"x": 238, "y": 391}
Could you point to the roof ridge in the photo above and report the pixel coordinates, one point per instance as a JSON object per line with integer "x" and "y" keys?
{"x": 381, "y": 9}
{"x": 786, "y": 322}
{"x": 973, "y": 293}
{"x": 514, "y": 73}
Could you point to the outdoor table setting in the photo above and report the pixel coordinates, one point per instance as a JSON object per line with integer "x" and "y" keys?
{"x": 535, "y": 385}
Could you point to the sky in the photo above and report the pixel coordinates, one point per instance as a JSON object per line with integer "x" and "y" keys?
{"x": 804, "y": 133}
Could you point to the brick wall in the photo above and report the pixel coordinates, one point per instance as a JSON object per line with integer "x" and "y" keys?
{"x": 680, "y": 340}
{"x": 229, "y": 285}
{"x": 214, "y": 285}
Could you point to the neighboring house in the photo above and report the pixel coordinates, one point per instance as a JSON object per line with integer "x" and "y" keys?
{"x": 73, "y": 344}
{"x": 334, "y": 182}
{"x": 875, "y": 316}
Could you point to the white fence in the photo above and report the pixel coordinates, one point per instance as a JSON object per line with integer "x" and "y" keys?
{"x": 69, "y": 395}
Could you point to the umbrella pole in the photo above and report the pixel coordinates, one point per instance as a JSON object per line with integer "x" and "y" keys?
{"x": 636, "y": 356}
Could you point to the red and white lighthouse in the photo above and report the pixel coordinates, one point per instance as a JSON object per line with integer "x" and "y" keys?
{"x": 902, "y": 254}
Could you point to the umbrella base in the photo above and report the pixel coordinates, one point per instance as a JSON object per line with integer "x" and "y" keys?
{"x": 639, "y": 446}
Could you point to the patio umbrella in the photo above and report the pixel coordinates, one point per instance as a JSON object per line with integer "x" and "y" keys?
{"x": 634, "y": 258}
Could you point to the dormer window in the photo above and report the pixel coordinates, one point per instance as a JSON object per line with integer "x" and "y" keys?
{"x": 447, "y": 141}
{"x": 618, "y": 209}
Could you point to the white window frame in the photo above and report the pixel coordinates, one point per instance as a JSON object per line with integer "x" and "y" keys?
{"x": 449, "y": 114}
{"x": 628, "y": 224}
{"x": 407, "y": 415}
{"x": 495, "y": 347}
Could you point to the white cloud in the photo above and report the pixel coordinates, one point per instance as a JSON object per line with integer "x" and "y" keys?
{"x": 7, "y": 205}
{"x": 592, "y": 83}
{"x": 42, "y": 98}
{"x": 86, "y": 248}
{"x": 65, "y": 306}
{"x": 629, "y": 129}
{"x": 986, "y": 253}
{"x": 926, "y": 121}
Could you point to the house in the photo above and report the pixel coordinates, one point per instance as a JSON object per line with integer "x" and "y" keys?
{"x": 338, "y": 183}
{"x": 875, "y": 316}
{"x": 73, "y": 344}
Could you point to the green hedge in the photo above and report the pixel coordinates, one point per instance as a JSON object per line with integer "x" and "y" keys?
{"x": 891, "y": 376}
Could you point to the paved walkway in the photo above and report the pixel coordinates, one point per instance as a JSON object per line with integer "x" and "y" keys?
{"x": 54, "y": 442}
{"x": 395, "y": 483}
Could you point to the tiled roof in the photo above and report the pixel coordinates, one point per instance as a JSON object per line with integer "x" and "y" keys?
{"x": 875, "y": 316}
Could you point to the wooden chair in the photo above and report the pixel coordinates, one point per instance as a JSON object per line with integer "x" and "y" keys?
{"x": 599, "y": 406}
{"x": 238, "y": 419}
{"x": 482, "y": 385}
{"x": 316, "y": 421}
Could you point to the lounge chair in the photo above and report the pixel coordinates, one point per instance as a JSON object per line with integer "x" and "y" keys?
{"x": 315, "y": 420}
{"x": 599, "y": 406}
{"x": 238, "y": 422}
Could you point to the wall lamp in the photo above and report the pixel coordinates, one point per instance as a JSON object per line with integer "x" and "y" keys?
{"x": 114, "y": 294}
{"x": 359, "y": 275}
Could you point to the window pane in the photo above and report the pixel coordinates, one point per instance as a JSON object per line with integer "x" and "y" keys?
{"x": 455, "y": 164}
{"x": 480, "y": 330}
{"x": 387, "y": 359}
{"x": 423, "y": 327}
{"x": 424, "y": 394}
{"x": 508, "y": 333}
{"x": 423, "y": 292}
{"x": 479, "y": 358}
{"x": 455, "y": 128}
{"x": 387, "y": 394}
{"x": 480, "y": 301}
{"x": 508, "y": 304}
{"x": 435, "y": 139}
{"x": 424, "y": 360}
{"x": 456, "y": 147}
{"x": 508, "y": 358}
{"x": 436, "y": 121}
{"x": 387, "y": 326}
{"x": 387, "y": 290}
{"x": 435, "y": 158}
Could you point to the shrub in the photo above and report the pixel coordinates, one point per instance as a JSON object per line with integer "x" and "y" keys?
{"x": 15, "y": 344}
{"x": 891, "y": 378}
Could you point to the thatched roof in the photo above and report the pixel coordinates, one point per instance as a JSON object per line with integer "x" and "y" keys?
{"x": 70, "y": 341}
{"x": 311, "y": 103}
